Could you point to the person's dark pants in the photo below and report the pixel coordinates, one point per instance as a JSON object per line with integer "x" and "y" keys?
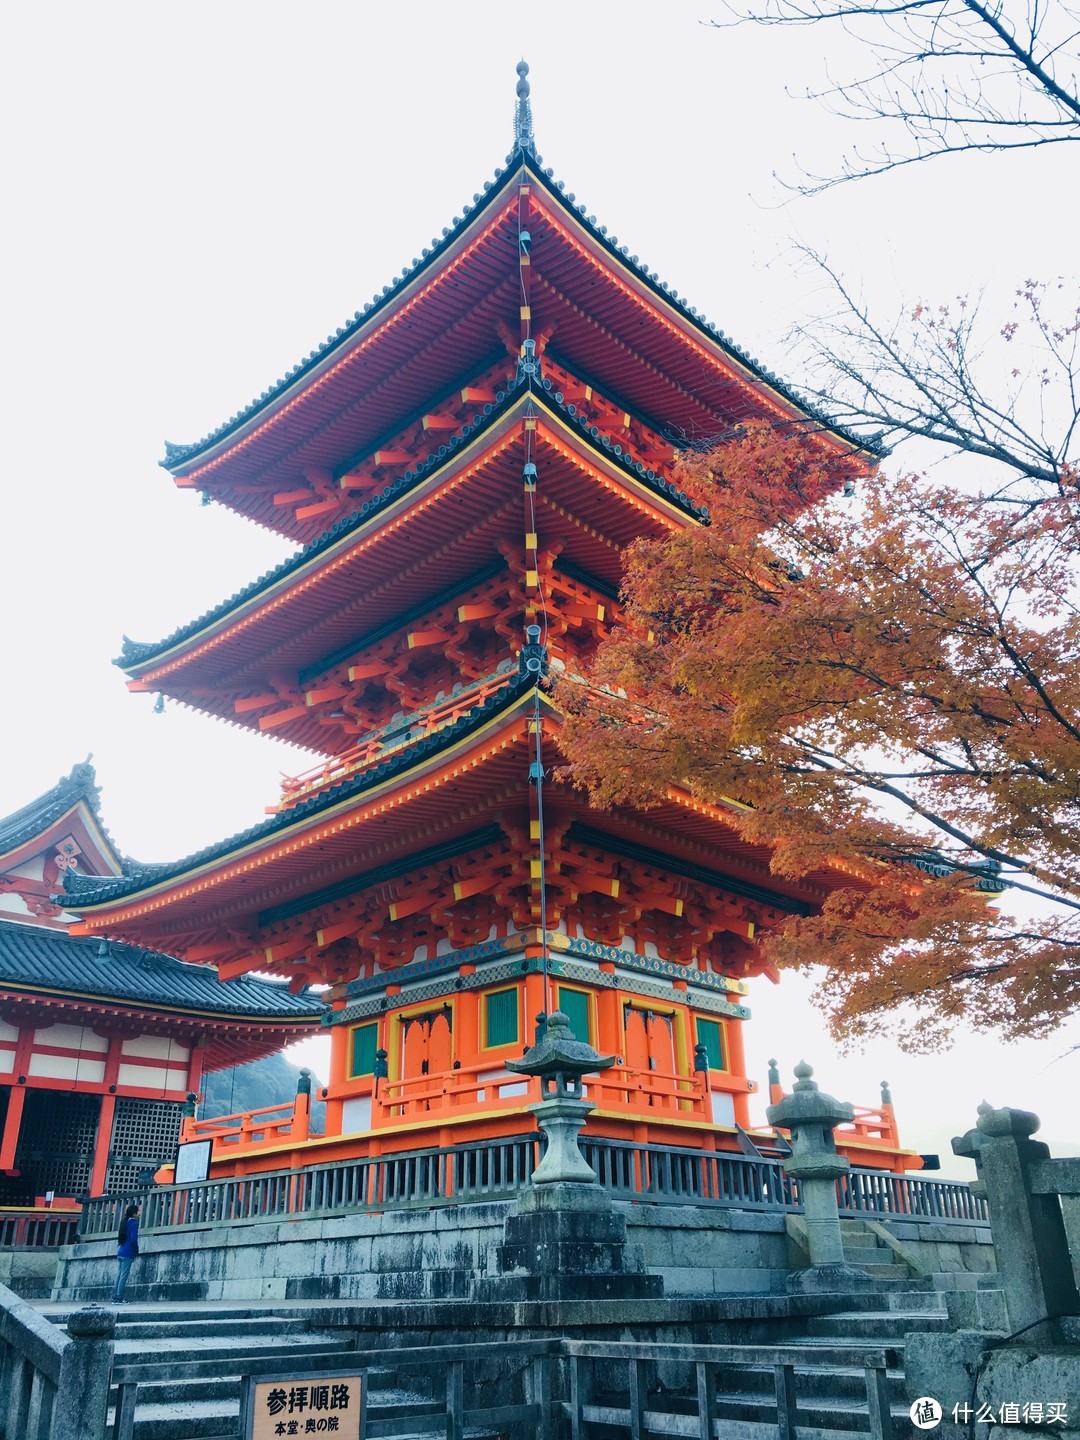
{"x": 124, "y": 1265}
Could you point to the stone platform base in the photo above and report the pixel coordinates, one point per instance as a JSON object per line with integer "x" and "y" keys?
{"x": 445, "y": 1252}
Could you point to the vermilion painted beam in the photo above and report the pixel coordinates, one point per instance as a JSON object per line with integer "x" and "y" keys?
{"x": 282, "y": 717}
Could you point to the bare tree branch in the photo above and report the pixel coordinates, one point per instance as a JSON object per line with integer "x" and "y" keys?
{"x": 951, "y": 76}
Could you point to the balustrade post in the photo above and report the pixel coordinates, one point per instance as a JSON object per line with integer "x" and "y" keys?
{"x": 300, "y": 1129}
{"x": 579, "y": 1395}
{"x": 784, "y": 1382}
{"x": 39, "y": 1409}
{"x": 538, "y": 1378}
{"x": 637, "y": 1399}
{"x": 878, "y": 1403}
{"x": 706, "y": 1391}
{"x": 1028, "y": 1230}
{"x": 19, "y": 1380}
{"x": 82, "y": 1391}
{"x": 455, "y": 1401}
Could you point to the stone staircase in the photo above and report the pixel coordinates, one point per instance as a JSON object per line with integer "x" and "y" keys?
{"x": 192, "y": 1360}
{"x": 865, "y": 1250}
{"x": 189, "y": 1361}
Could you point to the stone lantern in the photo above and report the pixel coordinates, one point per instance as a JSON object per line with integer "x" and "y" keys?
{"x": 561, "y": 1061}
{"x": 565, "y": 1240}
{"x": 810, "y": 1116}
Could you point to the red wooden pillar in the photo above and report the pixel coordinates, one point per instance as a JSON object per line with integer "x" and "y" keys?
{"x": 736, "y": 1058}
{"x": 103, "y": 1139}
{"x": 339, "y": 1074}
{"x": 101, "y": 1145}
{"x": 13, "y": 1120}
{"x": 9, "y": 1143}
{"x": 196, "y": 1061}
{"x": 608, "y": 1036}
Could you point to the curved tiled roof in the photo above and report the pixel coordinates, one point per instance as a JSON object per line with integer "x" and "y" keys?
{"x": 136, "y": 653}
{"x": 178, "y": 455}
{"x": 38, "y": 958}
{"x": 401, "y": 760}
{"x": 25, "y": 824}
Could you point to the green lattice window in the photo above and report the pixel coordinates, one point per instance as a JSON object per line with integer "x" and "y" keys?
{"x": 710, "y": 1034}
{"x": 365, "y": 1039}
{"x": 575, "y": 1006}
{"x": 500, "y": 1018}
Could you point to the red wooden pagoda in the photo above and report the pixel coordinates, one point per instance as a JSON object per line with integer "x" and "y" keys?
{"x": 467, "y": 458}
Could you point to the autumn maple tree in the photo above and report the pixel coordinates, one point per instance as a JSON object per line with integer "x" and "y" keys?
{"x": 887, "y": 683}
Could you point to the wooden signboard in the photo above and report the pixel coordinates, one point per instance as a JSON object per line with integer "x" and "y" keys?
{"x": 295, "y": 1407}
{"x": 192, "y": 1162}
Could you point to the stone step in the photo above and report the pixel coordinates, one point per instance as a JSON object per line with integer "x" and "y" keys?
{"x": 870, "y": 1254}
{"x": 167, "y": 1329}
{"x": 177, "y": 1311}
{"x": 884, "y": 1270}
{"x": 862, "y": 1327}
{"x": 839, "y": 1382}
{"x": 171, "y": 1362}
{"x": 209, "y": 1408}
{"x": 753, "y": 1423}
{"x": 182, "y": 1418}
{"x": 911, "y": 1301}
{"x": 818, "y": 1415}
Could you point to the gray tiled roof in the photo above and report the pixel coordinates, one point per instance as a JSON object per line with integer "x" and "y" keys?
{"x": 178, "y": 455}
{"x": 31, "y": 955}
{"x": 136, "y": 653}
{"x": 87, "y": 890}
{"x": 25, "y": 824}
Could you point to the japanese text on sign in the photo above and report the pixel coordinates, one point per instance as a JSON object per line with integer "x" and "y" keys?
{"x": 285, "y": 1408}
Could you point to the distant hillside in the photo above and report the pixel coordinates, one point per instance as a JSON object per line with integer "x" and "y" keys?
{"x": 252, "y": 1087}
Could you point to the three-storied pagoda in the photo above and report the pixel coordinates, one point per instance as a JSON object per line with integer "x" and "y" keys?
{"x": 464, "y": 463}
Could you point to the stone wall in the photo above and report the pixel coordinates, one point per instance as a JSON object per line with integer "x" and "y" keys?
{"x": 30, "y": 1273}
{"x": 440, "y": 1253}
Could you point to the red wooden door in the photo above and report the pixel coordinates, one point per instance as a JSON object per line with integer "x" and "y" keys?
{"x": 427, "y": 1051}
{"x": 650, "y": 1048}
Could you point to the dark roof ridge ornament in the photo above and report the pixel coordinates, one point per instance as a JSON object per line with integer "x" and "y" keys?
{"x": 524, "y": 139}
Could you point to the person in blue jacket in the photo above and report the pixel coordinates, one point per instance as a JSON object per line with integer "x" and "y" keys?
{"x": 126, "y": 1250}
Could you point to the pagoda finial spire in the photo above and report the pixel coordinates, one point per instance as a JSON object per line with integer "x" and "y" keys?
{"x": 523, "y": 121}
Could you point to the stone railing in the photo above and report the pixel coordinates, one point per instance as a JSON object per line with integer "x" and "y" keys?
{"x": 56, "y": 1383}
{"x": 462, "y": 1174}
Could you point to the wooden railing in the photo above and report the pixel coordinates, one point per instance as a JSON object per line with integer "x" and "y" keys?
{"x": 497, "y": 1169}
{"x": 37, "y": 1229}
{"x": 877, "y": 1192}
{"x": 871, "y": 1126}
{"x": 554, "y": 1387}
{"x": 252, "y": 1129}
{"x": 380, "y": 746}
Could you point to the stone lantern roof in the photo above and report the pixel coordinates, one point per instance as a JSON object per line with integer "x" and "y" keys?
{"x": 560, "y": 1053}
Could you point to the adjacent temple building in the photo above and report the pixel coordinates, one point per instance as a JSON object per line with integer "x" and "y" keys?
{"x": 101, "y": 1043}
{"x": 463, "y": 465}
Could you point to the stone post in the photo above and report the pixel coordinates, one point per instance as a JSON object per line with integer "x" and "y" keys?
{"x": 811, "y": 1117}
{"x": 82, "y": 1392}
{"x": 1029, "y": 1233}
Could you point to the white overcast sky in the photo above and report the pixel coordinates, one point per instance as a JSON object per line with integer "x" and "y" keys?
{"x": 197, "y": 194}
